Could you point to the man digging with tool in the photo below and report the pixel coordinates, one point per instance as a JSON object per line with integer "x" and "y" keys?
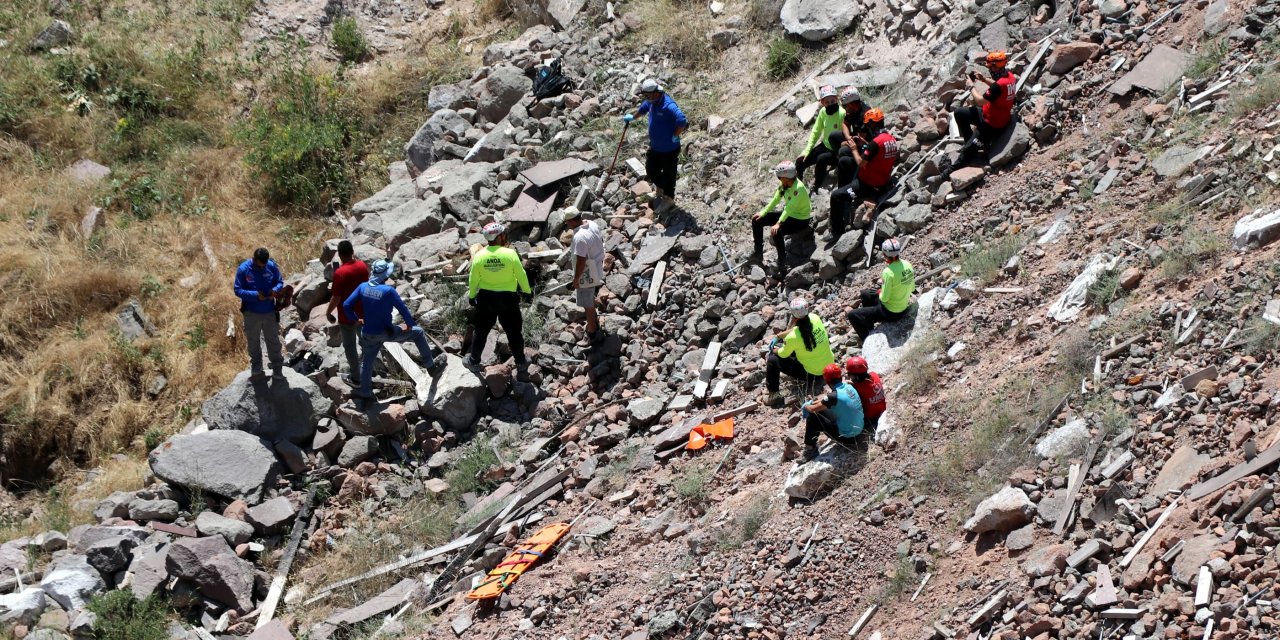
{"x": 838, "y": 414}
{"x": 377, "y": 300}
{"x": 497, "y": 277}
{"x": 666, "y": 124}
{"x": 588, "y": 268}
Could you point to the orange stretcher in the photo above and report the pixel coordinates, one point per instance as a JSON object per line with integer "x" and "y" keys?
{"x": 704, "y": 433}
{"x": 519, "y": 561}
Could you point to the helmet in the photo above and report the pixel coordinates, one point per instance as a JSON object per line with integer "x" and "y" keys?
{"x": 997, "y": 59}
{"x": 786, "y": 169}
{"x": 492, "y": 230}
{"x": 799, "y": 308}
{"x": 891, "y": 247}
{"x": 381, "y": 270}
{"x": 873, "y": 115}
{"x": 856, "y": 366}
{"x": 826, "y": 91}
{"x": 850, "y": 94}
{"x": 571, "y": 213}
{"x": 650, "y": 85}
{"x": 831, "y": 372}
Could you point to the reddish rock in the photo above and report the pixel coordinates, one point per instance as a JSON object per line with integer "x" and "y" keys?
{"x": 1130, "y": 278}
{"x": 236, "y": 510}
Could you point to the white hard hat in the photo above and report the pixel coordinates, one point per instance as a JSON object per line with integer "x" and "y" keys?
{"x": 891, "y": 247}
{"x": 570, "y": 213}
{"x": 826, "y": 91}
{"x": 649, "y": 86}
{"x": 492, "y": 230}
{"x": 850, "y": 94}
{"x": 799, "y": 308}
{"x": 786, "y": 169}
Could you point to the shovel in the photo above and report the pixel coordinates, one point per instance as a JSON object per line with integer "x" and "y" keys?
{"x": 607, "y": 174}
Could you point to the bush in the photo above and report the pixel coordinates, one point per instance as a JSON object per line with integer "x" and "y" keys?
{"x": 122, "y": 617}
{"x": 1104, "y": 289}
{"x": 783, "y": 58}
{"x": 1192, "y": 250}
{"x": 349, "y": 41}
{"x": 988, "y": 257}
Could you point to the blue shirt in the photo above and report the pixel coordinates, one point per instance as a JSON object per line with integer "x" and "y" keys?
{"x": 377, "y": 301}
{"x": 664, "y": 118}
{"x": 847, "y": 409}
{"x": 252, "y": 280}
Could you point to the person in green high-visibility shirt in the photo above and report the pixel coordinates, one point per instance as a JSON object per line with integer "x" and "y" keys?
{"x": 496, "y": 280}
{"x": 803, "y": 351}
{"x": 819, "y": 152}
{"x": 893, "y": 300}
{"x": 792, "y": 219}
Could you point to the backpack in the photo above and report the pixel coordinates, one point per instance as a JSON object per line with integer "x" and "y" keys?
{"x": 549, "y": 81}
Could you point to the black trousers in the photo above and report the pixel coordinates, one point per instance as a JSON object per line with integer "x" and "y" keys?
{"x": 865, "y": 318}
{"x": 970, "y": 118}
{"x": 843, "y": 199}
{"x": 498, "y": 306}
{"x": 661, "y": 167}
{"x": 821, "y": 159}
{"x": 790, "y": 226}
{"x": 775, "y": 366}
{"x": 846, "y": 166}
{"x": 824, "y": 422}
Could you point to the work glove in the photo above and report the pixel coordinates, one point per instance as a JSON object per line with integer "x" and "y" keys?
{"x": 675, "y": 139}
{"x": 628, "y": 118}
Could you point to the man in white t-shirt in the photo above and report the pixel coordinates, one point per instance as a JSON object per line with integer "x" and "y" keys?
{"x": 588, "y": 266}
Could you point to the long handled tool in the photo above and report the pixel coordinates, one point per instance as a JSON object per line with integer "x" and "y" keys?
{"x": 621, "y": 139}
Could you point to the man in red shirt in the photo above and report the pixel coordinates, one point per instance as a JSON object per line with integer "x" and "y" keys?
{"x": 870, "y": 391}
{"x": 346, "y": 278}
{"x": 875, "y": 159}
{"x": 996, "y": 104}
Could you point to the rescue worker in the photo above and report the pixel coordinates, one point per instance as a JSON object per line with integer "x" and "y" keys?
{"x": 494, "y": 285}
{"x": 980, "y": 125}
{"x": 666, "y": 124}
{"x": 875, "y": 159}
{"x": 870, "y": 390}
{"x": 826, "y": 122}
{"x": 802, "y": 351}
{"x": 257, "y": 284}
{"x": 838, "y": 414}
{"x": 346, "y": 277}
{"x": 371, "y": 305}
{"x": 792, "y": 218}
{"x": 588, "y": 268}
{"x": 898, "y": 282}
{"x": 851, "y": 128}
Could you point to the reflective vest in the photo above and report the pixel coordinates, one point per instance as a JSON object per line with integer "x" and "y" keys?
{"x": 996, "y": 112}
{"x": 848, "y": 411}
{"x": 876, "y": 171}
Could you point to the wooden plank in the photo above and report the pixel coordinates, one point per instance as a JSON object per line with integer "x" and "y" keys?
{"x": 421, "y": 383}
{"x": 718, "y": 391}
{"x": 797, "y": 86}
{"x": 268, "y": 608}
{"x": 655, "y": 285}
{"x": 549, "y": 253}
{"x": 1264, "y": 460}
{"x": 1087, "y": 550}
{"x": 1105, "y": 593}
{"x": 1146, "y": 537}
{"x": 862, "y": 621}
{"x": 1028, "y": 72}
{"x": 989, "y": 608}
{"x": 381, "y": 603}
{"x": 1118, "y": 465}
{"x": 1002, "y": 289}
{"x": 680, "y": 402}
{"x": 709, "y": 362}
{"x": 1074, "y": 490}
{"x": 1253, "y": 502}
{"x": 1120, "y": 348}
{"x": 1123, "y": 614}
{"x": 735, "y": 412}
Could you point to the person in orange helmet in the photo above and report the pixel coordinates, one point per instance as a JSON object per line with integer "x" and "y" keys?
{"x": 875, "y": 159}
{"x": 981, "y": 124}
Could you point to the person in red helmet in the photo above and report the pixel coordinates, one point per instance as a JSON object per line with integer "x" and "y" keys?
{"x": 870, "y": 390}
{"x": 838, "y": 414}
{"x": 979, "y": 125}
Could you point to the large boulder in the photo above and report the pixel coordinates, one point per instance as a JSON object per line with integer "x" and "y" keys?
{"x": 112, "y": 554}
{"x": 504, "y": 87}
{"x": 233, "y": 464}
{"x": 23, "y": 607}
{"x": 162, "y": 510}
{"x": 889, "y": 341}
{"x": 1071, "y": 55}
{"x": 912, "y": 218}
{"x": 1175, "y": 161}
{"x": 1256, "y": 230}
{"x": 420, "y": 150}
{"x": 274, "y": 409}
{"x": 390, "y": 197}
{"x": 149, "y": 570}
{"x": 460, "y": 188}
{"x": 430, "y": 248}
{"x": 454, "y": 397}
{"x": 447, "y": 96}
{"x": 357, "y": 450}
{"x": 1007, "y": 509}
{"x": 392, "y": 228}
{"x": 214, "y": 569}
{"x": 805, "y": 481}
{"x": 746, "y": 330}
{"x": 816, "y": 20}
{"x": 1012, "y": 144}
{"x": 1065, "y": 440}
{"x": 71, "y": 582}
{"x": 234, "y": 532}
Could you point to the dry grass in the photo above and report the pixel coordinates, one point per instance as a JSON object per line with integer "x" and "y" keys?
{"x": 680, "y": 29}
{"x": 919, "y": 367}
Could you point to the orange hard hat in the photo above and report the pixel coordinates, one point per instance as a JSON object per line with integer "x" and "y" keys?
{"x": 857, "y": 365}
{"x": 831, "y": 372}
{"x": 873, "y": 115}
{"x": 997, "y": 59}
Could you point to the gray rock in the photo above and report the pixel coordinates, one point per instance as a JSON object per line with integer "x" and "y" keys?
{"x": 390, "y": 197}
{"x": 1064, "y": 441}
{"x": 1006, "y": 509}
{"x": 420, "y": 150}
{"x": 23, "y": 607}
{"x": 50, "y": 541}
{"x": 504, "y": 87}
{"x": 233, "y": 464}
{"x": 912, "y": 218}
{"x": 460, "y": 188}
{"x": 82, "y": 538}
{"x": 272, "y": 516}
{"x": 285, "y": 408}
{"x": 47, "y": 634}
{"x": 392, "y": 228}
{"x": 1156, "y": 72}
{"x": 57, "y": 34}
{"x": 149, "y": 570}
{"x": 1012, "y": 144}
{"x": 644, "y": 412}
{"x": 563, "y": 12}
{"x": 110, "y": 555}
{"x": 1254, "y": 231}
{"x": 805, "y": 481}
{"x": 1071, "y": 55}
{"x": 357, "y": 450}
{"x": 663, "y": 623}
{"x": 294, "y": 458}
{"x": 1175, "y": 161}
{"x": 1020, "y": 539}
{"x": 725, "y": 38}
{"x": 214, "y": 569}
{"x": 1181, "y": 469}
{"x": 492, "y": 147}
{"x": 815, "y": 20}
{"x": 1046, "y": 561}
{"x": 747, "y": 330}
{"x": 1051, "y": 507}
{"x": 133, "y": 322}
{"x": 233, "y": 531}
{"x": 72, "y": 582}
{"x": 162, "y": 510}
{"x": 430, "y": 248}
{"x": 86, "y": 171}
{"x": 1215, "y": 17}
{"x": 849, "y": 244}
{"x": 82, "y": 624}
{"x": 455, "y": 396}
{"x": 447, "y": 96}
{"x": 1112, "y": 8}
{"x": 1195, "y": 553}
{"x": 115, "y": 505}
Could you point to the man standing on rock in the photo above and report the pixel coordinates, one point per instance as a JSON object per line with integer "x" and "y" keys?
{"x": 349, "y": 275}
{"x": 588, "y": 268}
{"x": 257, "y": 284}
{"x": 898, "y": 282}
{"x": 820, "y": 151}
{"x": 803, "y": 351}
{"x": 996, "y": 105}
{"x": 838, "y": 414}
{"x": 875, "y": 159}
{"x": 791, "y": 219}
{"x": 375, "y": 300}
{"x": 496, "y": 280}
{"x": 666, "y": 124}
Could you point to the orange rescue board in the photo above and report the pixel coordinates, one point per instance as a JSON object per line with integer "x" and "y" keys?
{"x": 519, "y": 561}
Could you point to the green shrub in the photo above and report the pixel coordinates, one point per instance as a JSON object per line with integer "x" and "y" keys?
{"x": 988, "y": 257}
{"x": 783, "y": 58}
{"x": 1104, "y": 289}
{"x": 349, "y": 41}
{"x": 122, "y": 617}
{"x": 1190, "y": 250}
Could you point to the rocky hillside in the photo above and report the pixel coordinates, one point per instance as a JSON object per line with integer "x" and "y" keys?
{"x": 1081, "y": 436}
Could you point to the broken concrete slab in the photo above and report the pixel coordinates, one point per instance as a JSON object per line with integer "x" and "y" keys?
{"x": 1180, "y": 470}
{"x": 1175, "y": 161}
{"x": 876, "y": 77}
{"x": 532, "y": 205}
{"x": 544, "y": 174}
{"x": 1161, "y": 68}
{"x": 1256, "y": 230}
{"x": 655, "y": 248}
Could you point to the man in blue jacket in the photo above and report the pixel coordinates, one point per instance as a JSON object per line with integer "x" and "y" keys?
{"x": 376, "y": 299}
{"x": 666, "y": 124}
{"x": 257, "y": 284}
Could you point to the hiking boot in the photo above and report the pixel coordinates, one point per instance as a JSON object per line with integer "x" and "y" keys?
{"x": 471, "y": 362}
{"x": 772, "y": 399}
{"x": 437, "y": 365}
{"x": 349, "y": 380}
{"x": 810, "y": 452}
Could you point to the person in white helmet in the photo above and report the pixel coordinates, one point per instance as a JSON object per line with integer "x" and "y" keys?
{"x": 497, "y": 277}
{"x": 792, "y": 218}
{"x": 666, "y": 124}
{"x": 898, "y": 282}
{"x": 802, "y": 351}
{"x": 852, "y": 129}
{"x": 819, "y": 152}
